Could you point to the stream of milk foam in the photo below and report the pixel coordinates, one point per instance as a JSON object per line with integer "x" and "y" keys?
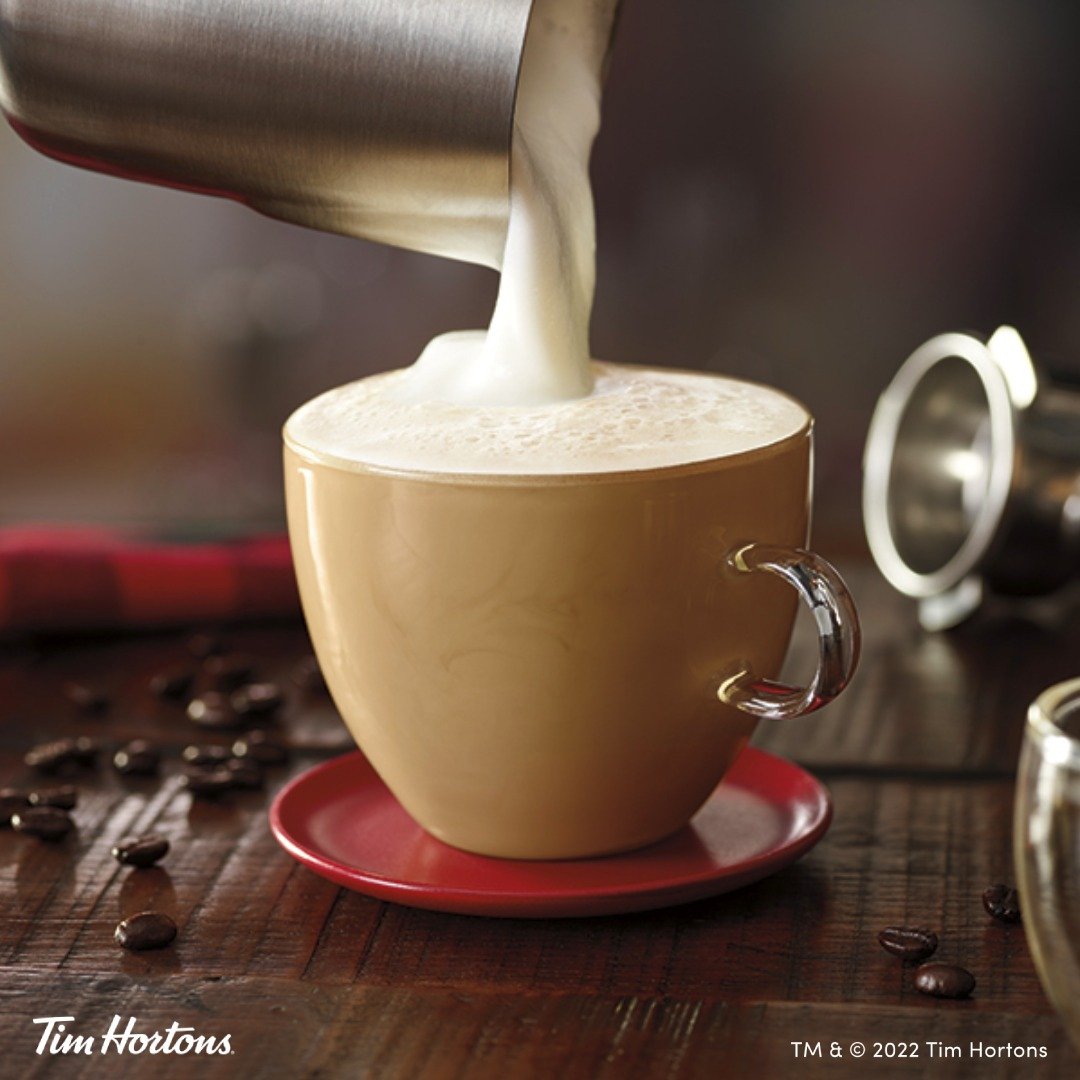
{"x": 536, "y": 349}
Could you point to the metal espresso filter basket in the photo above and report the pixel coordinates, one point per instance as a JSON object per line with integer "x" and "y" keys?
{"x": 385, "y": 119}
{"x": 971, "y": 477}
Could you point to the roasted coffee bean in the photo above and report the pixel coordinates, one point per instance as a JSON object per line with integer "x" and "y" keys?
{"x": 1002, "y": 903}
{"x": 944, "y": 981}
{"x": 308, "y": 675}
{"x": 213, "y": 711}
{"x": 260, "y": 747}
{"x": 11, "y": 801}
{"x": 88, "y": 699}
{"x": 50, "y": 757}
{"x": 207, "y": 783}
{"x": 228, "y": 672}
{"x": 53, "y": 756}
{"x": 258, "y": 699}
{"x": 44, "y": 822}
{"x": 141, "y": 851}
{"x": 85, "y": 751}
{"x": 245, "y": 773}
{"x": 205, "y": 644}
{"x": 64, "y": 797}
{"x": 146, "y": 930}
{"x": 205, "y": 755}
{"x": 908, "y": 942}
{"x": 172, "y": 684}
{"x": 132, "y": 764}
{"x": 137, "y": 758}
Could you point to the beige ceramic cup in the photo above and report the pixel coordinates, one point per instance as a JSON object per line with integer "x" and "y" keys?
{"x": 562, "y": 666}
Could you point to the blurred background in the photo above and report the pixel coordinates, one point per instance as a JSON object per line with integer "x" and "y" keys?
{"x": 793, "y": 191}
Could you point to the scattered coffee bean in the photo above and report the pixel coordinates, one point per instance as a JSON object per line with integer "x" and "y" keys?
{"x": 142, "y": 746}
{"x": 11, "y": 801}
{"x": 141, "y": 851}
{"x": 308, "y": 675}
{"x": 137, "y": 758}
{"x": 88, "y": 699}
{"x": 205, "y": 644}
{"x": 944, "y": 981}
{"x": 44, "y": 822}
{"x": 64, "y": 798}
{"x": 146, "y": 930}
{"x": 213, "y": 711}
{"x": 258, "y": 699}
{"x": 229, "y": 671}
{"x": 50, "y": 757}
{"x": 908, "y": 942}
{"x": 1002, "y": 903}
{"x": 85, "y": 751}
{"x": 260, "y": 747}
{"x": 205, "y": 755}
{"x": 207, "y": 783}
{"x": 172, "y": 684}
{"x": 245, "y": 773}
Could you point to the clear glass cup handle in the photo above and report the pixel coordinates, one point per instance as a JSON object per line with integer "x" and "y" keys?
{"x": 823, "y": 591}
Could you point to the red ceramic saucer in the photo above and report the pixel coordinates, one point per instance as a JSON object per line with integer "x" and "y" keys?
{"x": 340, "y": 820}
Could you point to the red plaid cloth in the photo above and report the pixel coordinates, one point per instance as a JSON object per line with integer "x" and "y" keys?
{"x": 81, "y": 578}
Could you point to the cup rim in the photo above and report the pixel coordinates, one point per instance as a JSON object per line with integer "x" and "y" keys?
{"x": 803, "y": 434}
{"x": 1043, "y": 724}
{"x": 613, "y": 476}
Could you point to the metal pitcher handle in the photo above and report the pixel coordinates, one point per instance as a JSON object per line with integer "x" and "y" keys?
{"x": 823, "y": 590}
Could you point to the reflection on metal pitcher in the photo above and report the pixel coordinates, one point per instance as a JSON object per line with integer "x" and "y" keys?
{"x": 972, "y": 476}
{"x": 387, "y": 119}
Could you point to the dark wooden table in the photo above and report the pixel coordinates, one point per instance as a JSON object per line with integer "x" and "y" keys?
{"x": 311, "y": 980}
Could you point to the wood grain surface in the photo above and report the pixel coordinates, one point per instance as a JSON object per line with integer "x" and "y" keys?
{"x": 312, "y": 980}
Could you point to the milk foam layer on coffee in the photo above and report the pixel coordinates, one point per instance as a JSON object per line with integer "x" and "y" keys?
{"x": 635, "y": 418}
{"x": 536, "y": 349}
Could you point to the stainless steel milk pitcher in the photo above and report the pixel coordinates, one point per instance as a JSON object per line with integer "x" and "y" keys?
{"x": 387, "y": 119}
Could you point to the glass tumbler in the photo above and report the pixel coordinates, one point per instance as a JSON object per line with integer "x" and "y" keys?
{"x": 1046, "y": 836}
